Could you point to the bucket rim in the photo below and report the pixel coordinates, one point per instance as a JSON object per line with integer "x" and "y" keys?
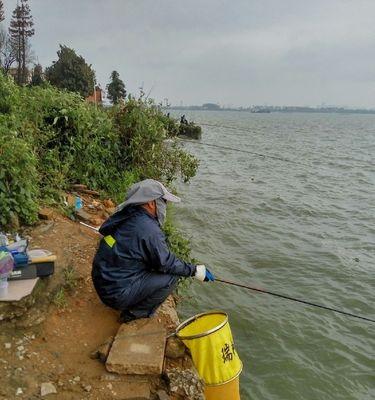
{"x": 194, "y": 318}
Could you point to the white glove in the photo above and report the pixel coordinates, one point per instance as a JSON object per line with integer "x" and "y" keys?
{"x": 200, "y": 273}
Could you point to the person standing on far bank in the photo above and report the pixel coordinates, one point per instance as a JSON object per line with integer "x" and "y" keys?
{"x": 133, "y": 270}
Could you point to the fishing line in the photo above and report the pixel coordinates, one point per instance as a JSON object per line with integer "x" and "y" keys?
{"x": 245, "y": 151}
{"x": 368, "y": 163}
{"x": 309, "y": 303}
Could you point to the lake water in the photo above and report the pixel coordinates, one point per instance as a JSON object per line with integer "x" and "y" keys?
{"x": 307, "y": 231}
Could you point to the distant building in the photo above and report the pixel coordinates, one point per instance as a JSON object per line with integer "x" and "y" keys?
{"x": 96, "y": 97}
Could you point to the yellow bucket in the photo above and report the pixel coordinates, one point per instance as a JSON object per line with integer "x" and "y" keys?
{"x": 209, "y": 339}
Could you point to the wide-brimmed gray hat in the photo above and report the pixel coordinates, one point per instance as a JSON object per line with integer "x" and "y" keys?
{"x": 145, "y": 191}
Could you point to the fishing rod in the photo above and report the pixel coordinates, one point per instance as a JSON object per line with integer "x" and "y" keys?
{"x": 309, "y": 303}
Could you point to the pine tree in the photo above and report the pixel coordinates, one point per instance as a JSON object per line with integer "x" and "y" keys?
{"x": 20, "y": 30}
{"x": 116, "y": 88}
{"x": 2, "y": 17}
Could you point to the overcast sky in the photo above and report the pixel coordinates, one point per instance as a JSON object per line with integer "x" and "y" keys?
{"x": 238, "y": 52}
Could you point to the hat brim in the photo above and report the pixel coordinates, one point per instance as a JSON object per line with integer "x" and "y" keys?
{"x": 171, "y": 197}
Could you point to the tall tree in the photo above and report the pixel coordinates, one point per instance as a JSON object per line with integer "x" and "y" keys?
{"x": 1, "y": 11}
{"x": 20, "y": 30}
{"x": 116, "y": 88}
{"x": 71, "y": 72}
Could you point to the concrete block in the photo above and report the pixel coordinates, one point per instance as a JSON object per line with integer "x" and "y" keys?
{"x": 45, "y": 213}
{"x": 138, "y": 348}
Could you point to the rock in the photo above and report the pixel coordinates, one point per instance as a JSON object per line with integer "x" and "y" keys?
{"x": 87, "y": 388}
{"x": 109, "y": 203}
{"x": 76, "y": 378}
{"x": 175, "y": 348}
{"x": 169, "y": 313}
{"x": 83, "y": 215}
{"x": 47, "y": 388}
{"x": 185, "y": 383}
{"x": 45, "y": 213}
{"x": 103, "y": 350}
{"x": 19, "y": 391}
{"x": 138, "y": 348}
{"x": 162, "y": 395}
{"x": 8, "y": 345}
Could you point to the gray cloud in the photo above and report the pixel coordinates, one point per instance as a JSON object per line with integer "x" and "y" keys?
{"x": 234, "y": 52}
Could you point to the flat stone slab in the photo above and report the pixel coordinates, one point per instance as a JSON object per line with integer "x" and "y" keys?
{"x": 138, "y": 348}
{"x": 17, "y": 290}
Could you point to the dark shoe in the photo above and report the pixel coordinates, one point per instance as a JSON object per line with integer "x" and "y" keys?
{"x": 126, "y": 316}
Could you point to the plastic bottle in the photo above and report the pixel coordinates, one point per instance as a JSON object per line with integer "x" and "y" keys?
{"x": 78, "y": 203}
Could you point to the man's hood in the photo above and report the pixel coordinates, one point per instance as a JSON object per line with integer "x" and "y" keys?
{"x": 109, "y": 227}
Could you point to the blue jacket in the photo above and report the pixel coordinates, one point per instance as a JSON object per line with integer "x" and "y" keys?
{"x": 120, "y": 273}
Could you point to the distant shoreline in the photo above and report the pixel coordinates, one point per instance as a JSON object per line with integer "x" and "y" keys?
{"x": 267, "y": 110}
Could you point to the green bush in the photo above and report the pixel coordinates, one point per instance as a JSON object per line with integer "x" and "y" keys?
{"x": 18, "y": 180}
{"x": 143, "y": 133}
{"x": 51, "y": 138}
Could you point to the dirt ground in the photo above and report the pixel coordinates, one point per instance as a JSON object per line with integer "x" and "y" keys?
{"x": 58, "y": 349}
